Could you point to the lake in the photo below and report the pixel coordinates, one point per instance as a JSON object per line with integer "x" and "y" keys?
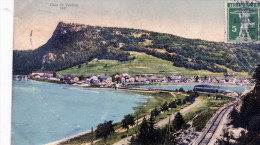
{"x": 46, "y": 112}
{"x": 238, "y": 89}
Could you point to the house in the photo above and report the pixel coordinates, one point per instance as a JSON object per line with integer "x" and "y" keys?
{"x": 123, "y": 80}
{"x": 190, "y": 80}
{"x": 94, "y": 79}
{"x": 222, "y": 81}
{"x": 126, "y": 75}
{"x": 43, "y": 74}
{"x": 69, "y": 79}
{"x": 36, "y": 76}
{"x": 214, "y": 80}
{"x": 230, "y": 80}
{"x": 140, "y": 78}
{"x": 244, "y": 81}
{"x": 175, "y": 78}
{"x": 183, "y": 80}
{"x": 118, "y": 78}
{"x": 109, "y": 80}
{"x": 206, "y": 81}
{"x": 164, "y": 80}
{"x": 103, "y": 77}
{"x": 131, "y": 80}
{"x": 153, "y": 79}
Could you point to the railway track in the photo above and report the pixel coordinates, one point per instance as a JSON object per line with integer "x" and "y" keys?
{"x": 206, "y": 136}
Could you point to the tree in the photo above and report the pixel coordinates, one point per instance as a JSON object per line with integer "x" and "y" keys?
{"x": 172, "y": 104}
{"x": 179, "y": 102}
{"x": 181, "y": 90}
{"x": 81, "y": 78}
{"x": 256, "y": 77}
{"x": 155, "y": 112}
{"x": 178, "y": 121}
{"x": 197, "y": 78}
{"x": 184, "y": 101}
{"x": 143, "y": 135}
{"x": 234, "y": 117}
{"x": 105, "y": 129}
{"x": 133, "y": 141}
{"x": 164, "y": 106}
{"x": 113, "y": 78}
{"x": 128, "y": 121}
{"x": 152, "y": 132}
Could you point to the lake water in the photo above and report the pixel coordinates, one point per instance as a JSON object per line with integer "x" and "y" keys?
{"x": 46, "y": 112}
{"x": 238, "y": 89}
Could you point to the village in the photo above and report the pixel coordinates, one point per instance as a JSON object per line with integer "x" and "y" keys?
{"x": 104, "y": 80}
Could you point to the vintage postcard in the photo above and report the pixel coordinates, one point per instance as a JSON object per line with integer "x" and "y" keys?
{"x": 139, "y": 72}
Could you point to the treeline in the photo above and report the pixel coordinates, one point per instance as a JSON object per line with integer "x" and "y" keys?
{"x": 178, "y": 60}
{"x": 248, "y": 116}
{"x": 147, "y": 134}
{"x": 179, "y": 102}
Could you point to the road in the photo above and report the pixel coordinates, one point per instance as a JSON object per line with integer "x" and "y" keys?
{"x": 164, "y": 121}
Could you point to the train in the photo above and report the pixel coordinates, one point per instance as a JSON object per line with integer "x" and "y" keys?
{"x": 206, "y": 88}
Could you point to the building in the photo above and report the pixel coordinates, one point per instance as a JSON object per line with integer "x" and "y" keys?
{"x": 140, "y": 78}
{"x": 103, "y": 77}
{"x": 222, "y": 81}
{"x": 43, "y": 74}
{"x": 230, "y": 80}
{"x": 243, "y": 81}
{"x": 153, "y": 79}
{"x": 70, "y": 79}
{"x": 175, "y": 78}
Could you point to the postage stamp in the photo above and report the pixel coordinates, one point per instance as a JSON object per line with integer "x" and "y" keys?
{"x": 242, "y": 21}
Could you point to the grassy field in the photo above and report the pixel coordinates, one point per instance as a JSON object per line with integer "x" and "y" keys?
{"x": 142, "y": 64}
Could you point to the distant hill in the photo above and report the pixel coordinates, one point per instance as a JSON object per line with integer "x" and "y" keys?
{"x": 74, "y": 44}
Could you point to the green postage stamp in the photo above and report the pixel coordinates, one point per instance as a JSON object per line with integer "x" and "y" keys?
{"x": 242, "y": 21}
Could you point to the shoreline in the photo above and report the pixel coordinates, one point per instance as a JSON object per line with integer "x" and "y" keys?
{"x": 101, "y": 85}
{"x": 69, "y": 138}
{"x": 193, "y": 84}
{"x": 64, "y": 140}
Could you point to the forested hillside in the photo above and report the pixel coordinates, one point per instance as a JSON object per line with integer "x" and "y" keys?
{"x": 246, "y": 116}
{"x": 74, "y": 44}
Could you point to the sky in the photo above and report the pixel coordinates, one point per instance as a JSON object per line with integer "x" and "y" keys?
{"x": 35, "y": 20}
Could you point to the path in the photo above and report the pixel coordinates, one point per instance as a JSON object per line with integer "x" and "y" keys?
{"x": 163, "y": 122}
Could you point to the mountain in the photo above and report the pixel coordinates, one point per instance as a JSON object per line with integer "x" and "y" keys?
{"x": 74, "y": 44}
